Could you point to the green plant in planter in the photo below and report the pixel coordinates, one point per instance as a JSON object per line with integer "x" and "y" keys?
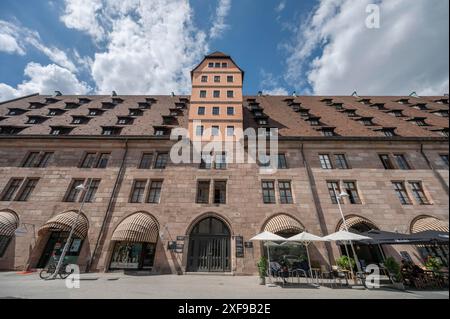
{"x": 262, "y": 267}
{"x": 344, "y": 262}
{"x": 433, "y": 264}
{"x": 394, "y": 269}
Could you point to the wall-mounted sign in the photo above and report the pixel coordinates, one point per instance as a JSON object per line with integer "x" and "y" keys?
{"x": 248, "y": 244}
{"x": 179, "y": 249}
{"x": 239, "y": 246}
{"x": 181, "y": 238}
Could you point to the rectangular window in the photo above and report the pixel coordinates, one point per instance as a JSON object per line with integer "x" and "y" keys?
{"x": 385, "y": 159}
{"x": 268, "y": 189}
{"x": 230, "y": 79}
{"x": 4, "y": 242}
{"x": 217, "y": 65}
{"x": 11, "y": 189}
{"x": 204, "y": 78}
{"x": 444, "y": 158}
{"x": 215, "y": 131}
{"x": 220, "y": 192}
{"x": 88, "y": 160}
{"x": 206, "y": 162}
{"x": 31, "y": 159}
{"x": 199, "y": 130}
{"x": 282, "y": 162}
{"x": 419, "y": 193}
{"x": 341, "y": 161}
{"x": 203, "y": 94}
{"x": 216, "y": 110}
{"x": 352, "y": 191}
{"x": 216, "y": 94}
{"x": 210, "y": 65}
{"x": 73, "y": 192}
{"x": 325, "y": 161}
{"x": 217, "y": 79}
{"x": 146, "y": 161}
{"x": 138, "y": 190}
{"x": 103, "y": 160}
{"x": 45, "y": 159}
{"x": 334, "y": 190}
{"x": 155, "y": 192}
{"x": 230, "y": 110}
{"x": 220, "y": 161}
{"x": 161, "y": 160}
{"x": 91, "y": 191}
{"x": 203, "y": 192}
{"x": 30, "y": 185}
{"x": 285, "y": 192}
{"x": 201, "y": 110}
{"x": 230, "y": 94}
{"x": 224, "y": 65}
{"x": 402, "y": 163}
{"x": 402, "y": 195}
{"x": 230, "y": 130}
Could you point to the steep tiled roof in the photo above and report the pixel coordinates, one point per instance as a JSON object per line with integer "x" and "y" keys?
{"x": 290, "y": 114}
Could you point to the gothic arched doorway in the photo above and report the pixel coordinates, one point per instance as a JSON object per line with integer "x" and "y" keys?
{"x": 209, "y": 246}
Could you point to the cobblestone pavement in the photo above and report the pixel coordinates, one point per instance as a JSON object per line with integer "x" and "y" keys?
{"x": 13, "y": 285}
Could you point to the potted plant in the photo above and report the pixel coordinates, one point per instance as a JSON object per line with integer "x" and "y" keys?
{"x": 394, "y": 269}
{"x": 262, "y": 270}
{"x": 434, "y": 264}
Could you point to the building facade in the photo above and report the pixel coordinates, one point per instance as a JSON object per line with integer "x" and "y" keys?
{"x": 144, "y": 212}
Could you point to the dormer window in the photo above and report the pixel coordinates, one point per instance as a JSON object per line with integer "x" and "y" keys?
{"x": 95, "y": 112}
{"x": 367, "y": 121}
{"x": 71, "y": 105}
{"x": 364, "y": 101}
{"x": 111, "y": 130}
{"x": 403, "y": 101}
{"x": 328, "y": 132}
{"x": 351, "y": 113}
{"x": 327, "y": 101}
{"x": 442, "y": 101}
{"x": 442, "y": 113}
{"x": 151, "y": 100}
{"x": 180, "y": 106}
{"x": 83, "y": 100}
{"x": 389, "y": 132}
{"x": 338, "y": 106}
{"x": 420, "y": 121}
{"x": 124, "y": 120}
{"x": 421, "y": 107}
{"x": 169, "y": 120}
{"x": 396, "y": 113}
{"x": 60, "y": 130}
{"x": 262, "y": 122}
{"x": 117, "y": 100}
{"x": 10, "y": 130}
{"x": 378, "y": 106}
{"x": 55, "y": 112}
{"x": 144, "y": 105}
{"x": 444, "y": 132}
{"x": 51, "y": 100}
{"x": 80, "y": 119}
{"x": 36, "y": 119}
{"x": 36, "y": 105}
{"x": 183, "y": 100}
{"x": 15, "y": 111}
{"x": 162, "y": 131}
{"x": 108, "y": 105}
{"x": 304, "y": 113}
{"x": 135, "y": 112}
{"x": 314, "y": 121}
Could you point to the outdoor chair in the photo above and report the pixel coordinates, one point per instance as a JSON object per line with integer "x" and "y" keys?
{"x": 299, "y": 273}
{"x": 339, "y": 275}
{"x": 326, "y": 274}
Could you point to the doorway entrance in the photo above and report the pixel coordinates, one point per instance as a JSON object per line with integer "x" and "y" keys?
{"x": 209, "y": 247}
{"x": 55, "y": 246}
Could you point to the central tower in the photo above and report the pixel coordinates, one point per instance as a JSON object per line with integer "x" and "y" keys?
{"x": 216, "y": 98}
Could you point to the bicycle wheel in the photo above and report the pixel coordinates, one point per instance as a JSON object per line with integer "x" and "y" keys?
{"x": 46, "y": 273}
{"x": 63, "y": 273}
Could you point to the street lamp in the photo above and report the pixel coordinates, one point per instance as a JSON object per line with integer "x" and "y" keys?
{"x": 80, "y": 187}
{"x": 339, "y": 197}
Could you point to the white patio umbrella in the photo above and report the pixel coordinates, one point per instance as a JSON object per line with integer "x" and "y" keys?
{"x": 346, "y": 236}
{"x": 306, "y": 239}
{"x": 270, "y": 238}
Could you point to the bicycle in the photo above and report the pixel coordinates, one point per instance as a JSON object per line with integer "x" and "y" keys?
{"x": 48, "y": 272}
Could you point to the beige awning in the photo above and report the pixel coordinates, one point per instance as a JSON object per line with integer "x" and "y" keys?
{"x": 429, "y": 223}
{"x": 355, "y": 220}
{"x": 8, "y": 223}
{"x": 137, "y": 228}
{"x": 64, "y": 222}
{"x": 283, "y": 223}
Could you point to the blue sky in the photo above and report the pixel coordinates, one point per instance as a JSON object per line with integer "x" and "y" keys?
{"x": 148, "y": 47}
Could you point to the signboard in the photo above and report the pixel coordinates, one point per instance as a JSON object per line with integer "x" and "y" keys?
{"x": 248, "y": 244}
{"x": 181, "y": 238}
{"x": 239, "y": 246}
{"x": 179, "y": 249}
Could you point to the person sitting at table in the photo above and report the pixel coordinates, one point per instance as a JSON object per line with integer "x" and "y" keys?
{"x": 284, "y": 273}
{"x": 275, "y": 269}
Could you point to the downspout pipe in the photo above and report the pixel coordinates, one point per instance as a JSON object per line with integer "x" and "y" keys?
{"x": 110, "y": 207}
{"x": 436, "y": 173}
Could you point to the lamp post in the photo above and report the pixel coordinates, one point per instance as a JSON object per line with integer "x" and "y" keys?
{"x": 80, "y": 187}
{"x": 339, "y": 197}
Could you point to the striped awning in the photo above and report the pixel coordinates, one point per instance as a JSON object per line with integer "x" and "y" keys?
{"x": 137, "y": 228}
{"x": 283, "y": 223}
{"x": 355, "y": 220}
{"x": 64, "y": 222}
{"x": 429, "y": 223}
{"x": 8, "y": 223}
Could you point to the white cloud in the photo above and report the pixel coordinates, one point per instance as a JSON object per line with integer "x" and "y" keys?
{"x": 271, "y": 84}
{"x": 149, "y": 46}
{"x": 15, "y": 38}
{"x": 219, "y": 24}
{"x": 44, "y": 80}
{"x": 281, "y": 6}
{"x": 276, "y": 91}
{"x": 408, "y": 53}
